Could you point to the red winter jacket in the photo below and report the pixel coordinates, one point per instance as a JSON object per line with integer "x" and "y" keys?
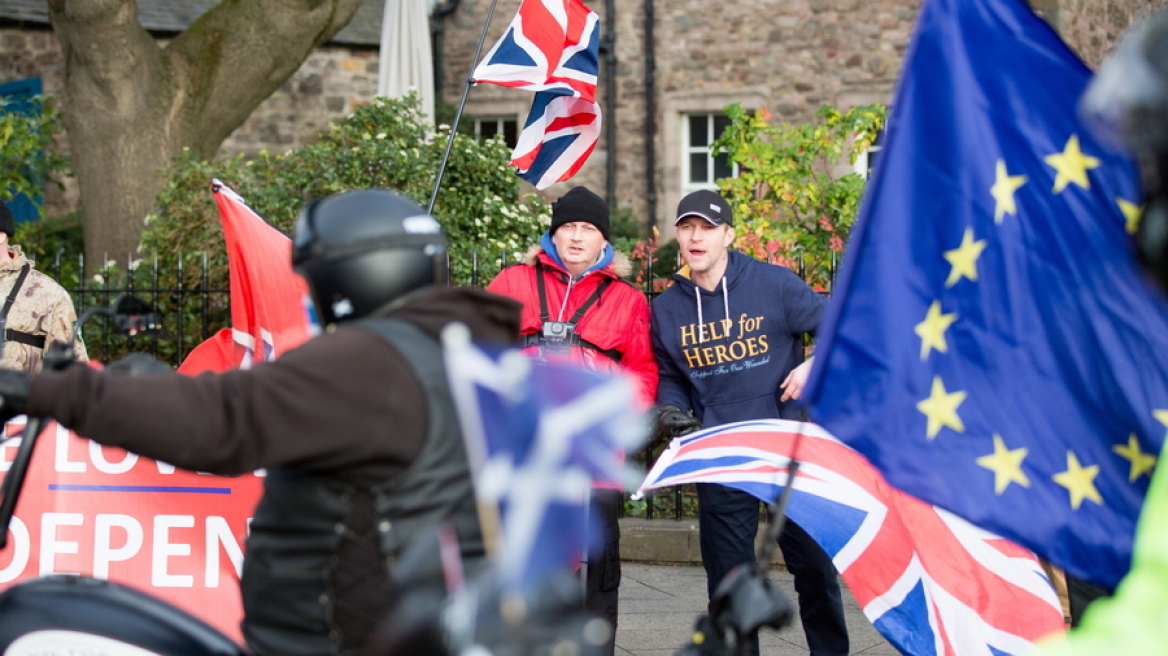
{"x": 617, "y": 322}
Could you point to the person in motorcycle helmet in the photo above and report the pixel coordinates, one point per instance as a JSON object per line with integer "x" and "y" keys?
{"x": 355, "y": 427}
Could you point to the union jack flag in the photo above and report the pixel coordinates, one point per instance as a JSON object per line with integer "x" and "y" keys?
{"x": 929, "y": 581}
{"x": 551, "y": 48}
{"x": 538, "y": 434}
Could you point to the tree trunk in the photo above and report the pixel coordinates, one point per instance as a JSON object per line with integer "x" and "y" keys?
{"x": 130, "y": 104}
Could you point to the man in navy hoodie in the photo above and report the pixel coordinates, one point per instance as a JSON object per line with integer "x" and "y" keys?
{"x": 729, "y": 344}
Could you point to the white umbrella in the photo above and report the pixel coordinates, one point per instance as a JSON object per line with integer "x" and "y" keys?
{"x": 406, "y": 60}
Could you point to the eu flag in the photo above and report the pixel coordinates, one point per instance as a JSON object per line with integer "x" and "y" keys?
{"x": 991, "y": 345}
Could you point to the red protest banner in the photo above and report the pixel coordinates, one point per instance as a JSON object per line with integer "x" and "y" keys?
{"x": 111, "y": 514}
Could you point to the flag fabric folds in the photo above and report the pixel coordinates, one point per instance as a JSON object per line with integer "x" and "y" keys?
{"x": 268, "y": 315}
{"x": 991, "y": 346}
{"x": 930, "y": 582}
{"x": 538, "y": 434}
{"x": 552, "y": 49}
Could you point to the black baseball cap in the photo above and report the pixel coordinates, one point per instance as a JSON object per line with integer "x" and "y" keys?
{"x": 707, "y": 204}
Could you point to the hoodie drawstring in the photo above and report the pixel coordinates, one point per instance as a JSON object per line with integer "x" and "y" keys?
{"x": 701, "y": 324}
{"x": 725, "y": 308}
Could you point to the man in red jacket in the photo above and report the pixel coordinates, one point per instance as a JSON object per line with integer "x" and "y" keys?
{"x": 577, "y": 307}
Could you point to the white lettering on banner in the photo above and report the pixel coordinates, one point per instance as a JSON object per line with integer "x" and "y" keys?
{"x": 8, "y": 452}
{"x": 164, "y": 549}
{"x": 50, "y": 546}
{"x": 103, "y": 551}
{"x": 21, "y": 545}
{"x": 219, "y": 535}
{"x": 106, "y": 467}
{"x": 61, "y": 461}
{"x": 109, "y": 547}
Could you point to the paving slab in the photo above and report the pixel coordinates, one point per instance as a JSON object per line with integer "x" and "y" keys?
{"x": 659, "y": 604}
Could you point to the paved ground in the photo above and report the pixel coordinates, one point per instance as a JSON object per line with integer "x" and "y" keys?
{"x": 659, "y": 603}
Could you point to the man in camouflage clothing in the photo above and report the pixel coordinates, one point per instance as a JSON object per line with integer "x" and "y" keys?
{"x": 40, "y": 312}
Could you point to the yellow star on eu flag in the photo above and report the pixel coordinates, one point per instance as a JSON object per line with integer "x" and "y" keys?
{"x": 932, "y": 329}
{"x": 1079, "y": 481}
{"x": 1071, "y": 165}
{"x": 1141, "y": 463}
{"x": 1003, "y": 191}
{"x": 1131, "y": 214}
{"x": 1161, "y": 416}
{"x": 1006, "y": 464}
{"x": 963, "y": 259}
{"x": 941, "y": 409}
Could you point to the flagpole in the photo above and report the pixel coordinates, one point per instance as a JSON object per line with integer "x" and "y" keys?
{"x": 778, "y": 509}
{"x": 461, "y": 104}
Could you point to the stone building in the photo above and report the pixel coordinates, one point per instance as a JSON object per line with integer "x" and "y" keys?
{"x": 663, "y": 88}
{"x": 667, "y": 70}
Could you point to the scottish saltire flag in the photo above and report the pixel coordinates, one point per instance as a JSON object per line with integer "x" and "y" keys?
{"x": 929, "y": 581}
{"x": 538, "y": 434}
{"x": 991, "y": 346}
{"x": 552, "y": 49}
{"x": 268, "y": 315}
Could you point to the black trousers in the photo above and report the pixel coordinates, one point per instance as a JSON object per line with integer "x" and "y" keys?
{"x": 603, "y": 577}
{"x": 728, "y": 523}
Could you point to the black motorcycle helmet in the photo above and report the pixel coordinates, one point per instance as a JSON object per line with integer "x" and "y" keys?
{"x": 360, "y": 250}
{"x": 1126, "y": 105}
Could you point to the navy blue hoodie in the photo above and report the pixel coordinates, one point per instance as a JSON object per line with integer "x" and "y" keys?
{"x": 724, "y": 353}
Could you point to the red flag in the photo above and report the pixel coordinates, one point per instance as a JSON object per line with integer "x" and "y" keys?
{"x": 267, "y": 299}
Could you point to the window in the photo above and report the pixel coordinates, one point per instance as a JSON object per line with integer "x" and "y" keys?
{"x": 700, "y": 169}
{"x": 488, "y": 126}
{"x": 867, "y": 159}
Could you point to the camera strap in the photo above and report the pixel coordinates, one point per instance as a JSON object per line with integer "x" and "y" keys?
{"x": 543, "y": 308}
{"x": 8, "y": 334}
{"x": 576, "y": 340}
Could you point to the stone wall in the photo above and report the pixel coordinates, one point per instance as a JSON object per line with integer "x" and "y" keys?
{"x": 329, "y": 86}
{"x": 1092, "y": 27}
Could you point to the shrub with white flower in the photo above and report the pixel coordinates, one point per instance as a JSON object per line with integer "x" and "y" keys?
{"x": 386, "y": 144}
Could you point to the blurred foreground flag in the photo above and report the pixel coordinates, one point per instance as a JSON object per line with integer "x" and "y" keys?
{"x": 552, "y": 48}
{"x": 538, "y": 434}
{"x": 268, "y": 313}
{"x": 991, "y": 346}
{"x": 930, "y": 582}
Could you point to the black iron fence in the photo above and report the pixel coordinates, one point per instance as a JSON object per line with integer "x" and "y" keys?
{"x": 192, "y": 308}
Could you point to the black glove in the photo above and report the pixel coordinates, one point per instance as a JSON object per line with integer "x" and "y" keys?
{"x": 139, "y": 363}
{"x": 672, "y": 422}
{"x": 13, "y": 393}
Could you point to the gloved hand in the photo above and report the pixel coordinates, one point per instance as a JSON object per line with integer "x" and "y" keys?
{"x": 139, "y": 363}
{"x": 672, "y": 422}
{"x": 13, "y": 393}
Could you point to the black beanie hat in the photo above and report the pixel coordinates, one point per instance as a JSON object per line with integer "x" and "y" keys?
{"x": 581, "y": 205}
{"x": 7, "y": 225}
